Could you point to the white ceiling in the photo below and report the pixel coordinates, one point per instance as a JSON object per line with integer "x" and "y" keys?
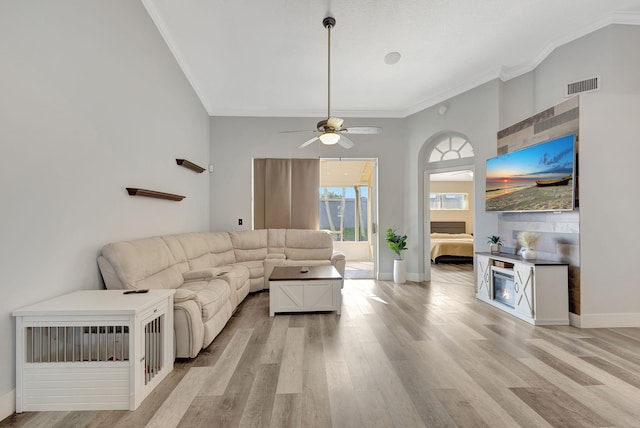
{"x": 269, "y": 58}
{"x": 343, "y": 173}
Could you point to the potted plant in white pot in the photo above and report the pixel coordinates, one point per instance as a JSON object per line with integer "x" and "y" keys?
{"x": 495, "y": 243}
{"x": 398, "y": 243}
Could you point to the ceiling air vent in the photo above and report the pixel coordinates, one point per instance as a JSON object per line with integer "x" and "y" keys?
{"x": 587, "y": 85}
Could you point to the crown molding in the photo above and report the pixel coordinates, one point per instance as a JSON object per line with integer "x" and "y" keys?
{"x": 504, "y": 73}
{"x": 366, "y": 114}
{"x": 442, "y": 96}
{"x": 624, "y": 18}
{"x": 166, "y": 35}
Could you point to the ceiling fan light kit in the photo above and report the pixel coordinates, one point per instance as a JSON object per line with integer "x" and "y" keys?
{"x": 330, "y": 129}
{"x": 329, "y": 138}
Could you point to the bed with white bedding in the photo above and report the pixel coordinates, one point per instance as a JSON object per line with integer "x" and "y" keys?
{"x": 450, "y": 243}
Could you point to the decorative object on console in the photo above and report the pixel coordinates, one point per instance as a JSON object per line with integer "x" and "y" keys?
{"x": 528, "y": 240}
{"x": 133, "y": 191}
{"x": 190, "y": 165}
{"x": 398, "y": 243}
{"x": 495, "y": 243}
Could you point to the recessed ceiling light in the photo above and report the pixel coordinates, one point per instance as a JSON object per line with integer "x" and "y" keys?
{"x": 392, "y": 58}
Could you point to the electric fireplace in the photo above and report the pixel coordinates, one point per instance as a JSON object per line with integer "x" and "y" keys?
{"x": 503, "y": 287}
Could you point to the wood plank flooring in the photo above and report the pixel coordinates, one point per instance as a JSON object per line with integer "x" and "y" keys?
{"x": 411, "y": 355}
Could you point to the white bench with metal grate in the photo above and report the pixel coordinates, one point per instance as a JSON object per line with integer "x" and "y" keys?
{"x": 93, "y": 350}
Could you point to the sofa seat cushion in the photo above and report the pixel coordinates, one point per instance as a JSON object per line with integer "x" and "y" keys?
{"x": 236, "y": 275}
{"x": 212, "y": 295}
{"x": 255, "y": 268}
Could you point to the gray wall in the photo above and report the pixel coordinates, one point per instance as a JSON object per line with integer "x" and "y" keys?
{"x": 601, "y": 227}
{"x": 610, "y": 53}
{"x": 235, "y": 141}
{"x": 91, "y": 102}
{"x": 609, "y": 153}
{"x": 473, "y": 114}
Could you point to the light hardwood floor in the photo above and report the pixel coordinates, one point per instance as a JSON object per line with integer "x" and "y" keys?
{"x": 411, "y": 355}
{"x": 359, "y": 269}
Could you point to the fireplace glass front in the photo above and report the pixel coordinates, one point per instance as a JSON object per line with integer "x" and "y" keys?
{"x": 503, "y": 288}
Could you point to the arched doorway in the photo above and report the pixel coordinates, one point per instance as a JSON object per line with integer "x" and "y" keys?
{"x": 443, "y": 152}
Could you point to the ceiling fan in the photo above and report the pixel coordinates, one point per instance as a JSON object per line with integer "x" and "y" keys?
{"x": 331, "y": 130}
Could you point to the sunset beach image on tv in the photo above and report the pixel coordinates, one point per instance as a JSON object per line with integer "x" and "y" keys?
{"x": 536, "y": 178}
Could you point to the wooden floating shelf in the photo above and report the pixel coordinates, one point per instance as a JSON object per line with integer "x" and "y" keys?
{"x": 190, "y": 165}
{"x": 154, "y": 194}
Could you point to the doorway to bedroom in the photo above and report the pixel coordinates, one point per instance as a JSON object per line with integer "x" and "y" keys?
{"x": 451, "y": 153}
{"x": 451, "y": 201}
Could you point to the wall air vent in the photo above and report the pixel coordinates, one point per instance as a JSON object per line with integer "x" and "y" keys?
{"x": 587, "y": 85}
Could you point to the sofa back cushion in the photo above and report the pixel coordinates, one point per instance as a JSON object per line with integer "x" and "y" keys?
{"x": 308, "y": 245}
{"x": 249, "y": 245}
{"x": 144, "y": 263}
{"x": 277, "y": 240}
{"x": 179, "y": 255}
{"x": 205, "y": 250}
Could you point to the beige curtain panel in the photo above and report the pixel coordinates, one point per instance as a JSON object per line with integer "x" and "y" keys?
{"x": 286, "y": 193}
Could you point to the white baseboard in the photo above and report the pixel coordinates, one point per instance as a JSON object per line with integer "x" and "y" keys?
{"x": 388, "y": 276}
{"x": 7, "y": 404}
{"x": 605, "y": 320}
{"x": 574, "y": 320}
{"x": 385, "y": 276}
{"x": 415, "y": 277}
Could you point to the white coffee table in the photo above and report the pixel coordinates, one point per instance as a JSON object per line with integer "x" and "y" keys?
{"x": 291, "y": 290}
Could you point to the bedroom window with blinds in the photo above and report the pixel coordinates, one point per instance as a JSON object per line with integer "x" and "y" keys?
{"x": 449, "y": 201}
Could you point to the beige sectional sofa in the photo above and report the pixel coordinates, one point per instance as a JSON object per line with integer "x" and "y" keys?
{"x": 211, "y": 272}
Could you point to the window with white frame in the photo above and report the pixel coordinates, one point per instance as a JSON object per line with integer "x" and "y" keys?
{"x": 449, "y": 201}
{"x": 451, "y": 146}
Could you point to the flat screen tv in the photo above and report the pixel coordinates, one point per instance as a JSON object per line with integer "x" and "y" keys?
{"x": 536, "y": 178}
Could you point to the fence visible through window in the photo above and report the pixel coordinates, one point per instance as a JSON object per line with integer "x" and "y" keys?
{"x": 342, "y": 216}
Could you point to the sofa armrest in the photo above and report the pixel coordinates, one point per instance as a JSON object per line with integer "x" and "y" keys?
{"x": 337, "y": 256}
{"x": 339, "y": 262}
{"x": 188, "y": 327}
{"x": 183, "y": 295}
{"x": 275, "y": 256}
{"x": 109, "y": 275}
{"x": 201, "y": 274}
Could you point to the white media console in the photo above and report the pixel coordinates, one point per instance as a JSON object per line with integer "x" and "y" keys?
{"x": 535, "y": 291}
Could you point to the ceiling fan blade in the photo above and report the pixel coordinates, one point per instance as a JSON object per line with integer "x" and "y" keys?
{"x": 301, "y": 130}
{"x": 335, "y": 122}
{"x": 362, "y": 130}
{"x": 306, "y": 143}
{"x": 345, "y": 142}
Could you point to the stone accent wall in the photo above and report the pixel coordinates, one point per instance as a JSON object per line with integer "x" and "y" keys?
{"x": 560, "y": 232}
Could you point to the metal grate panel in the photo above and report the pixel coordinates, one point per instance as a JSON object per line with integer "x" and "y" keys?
{"x": 153, "y": 348}
{"x": 62, "y": 344}
{"x": 587, "y": 85}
